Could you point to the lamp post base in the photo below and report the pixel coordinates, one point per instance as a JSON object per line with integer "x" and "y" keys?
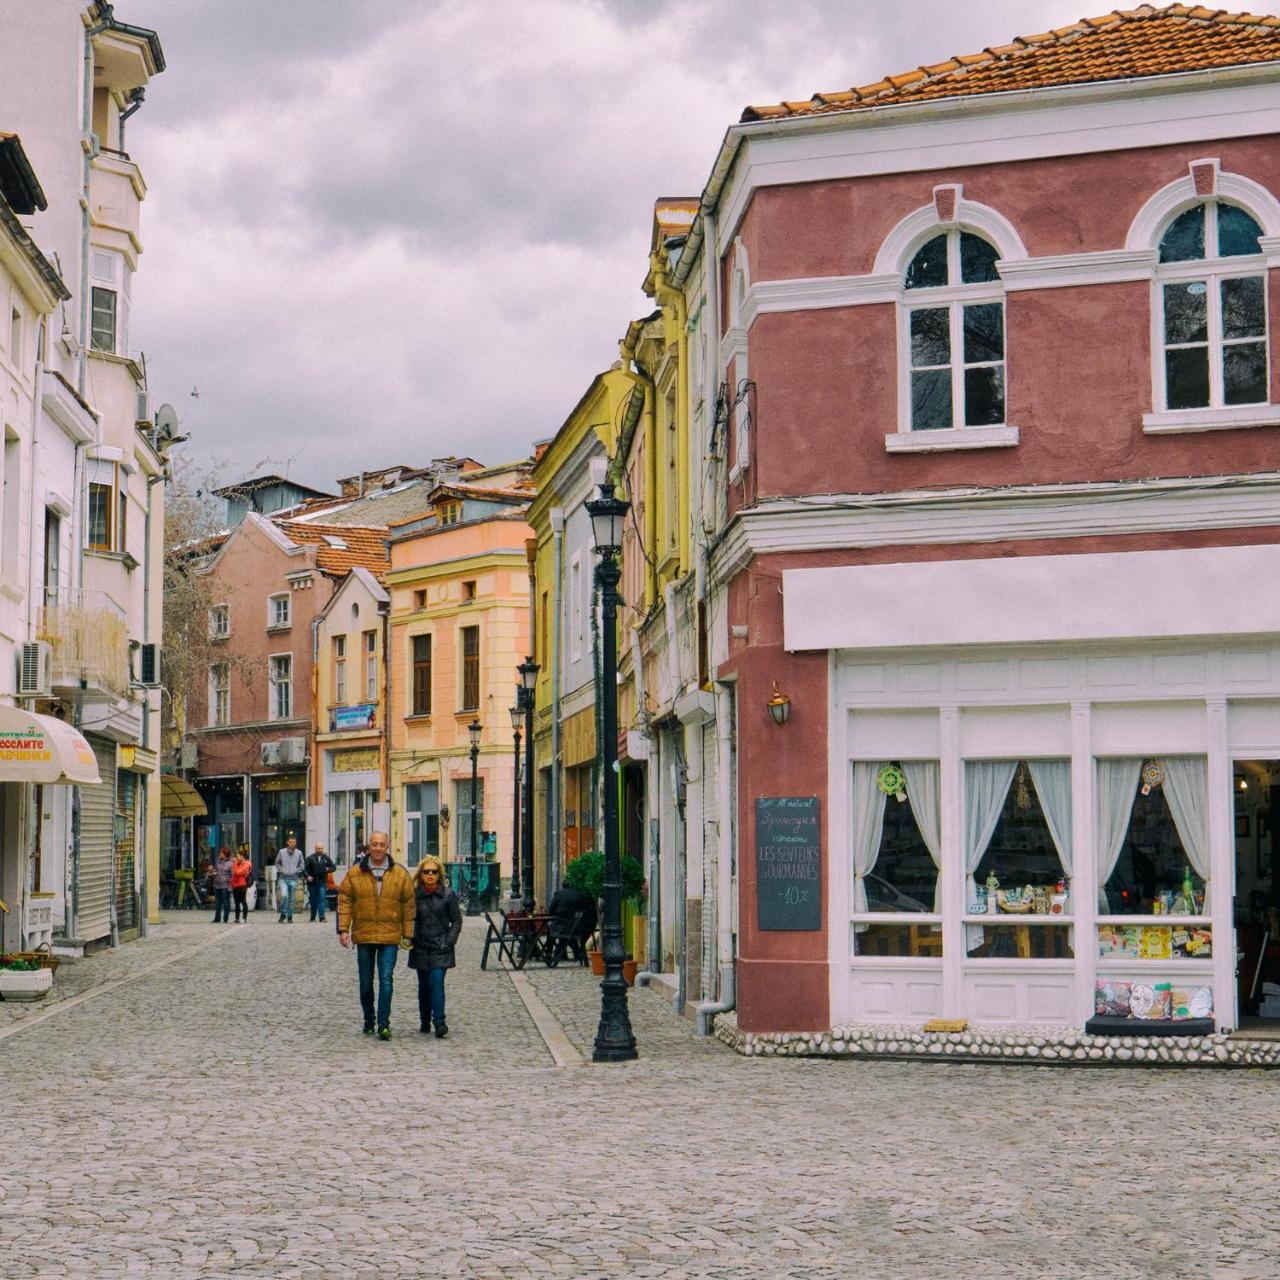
{"x": 614, "y": 1040}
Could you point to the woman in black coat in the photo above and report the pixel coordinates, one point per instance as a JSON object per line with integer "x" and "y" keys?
{"x": 436, "y": 927}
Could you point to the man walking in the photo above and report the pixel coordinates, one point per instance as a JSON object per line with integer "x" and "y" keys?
{"x": 376, "y": 911}
{"x": 319, "y": 864}
{"x": 288, "y": 869}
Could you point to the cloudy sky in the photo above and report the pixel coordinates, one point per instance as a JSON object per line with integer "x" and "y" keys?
{"x": 384, "y": 231}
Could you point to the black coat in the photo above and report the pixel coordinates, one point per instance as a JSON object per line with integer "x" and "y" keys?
{"x": 567, "y": 905}
{"x": 436, "y": 926}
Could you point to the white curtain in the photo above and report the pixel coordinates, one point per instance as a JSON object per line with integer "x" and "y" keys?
{"x": 986, "y": 783}
{"x": 924, "y": 791}
{"x": 1186, "y": 788}
{"x": 1052, "y": 780}
{"x": 867, "y": 805}
{"x": 1117, "y": 784}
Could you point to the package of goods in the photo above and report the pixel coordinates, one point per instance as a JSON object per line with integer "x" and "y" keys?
{"x": 1190, "y": 1002}
{"x": 1157, "y": 943}
{"x": 1149, "y": 1000}
{"x": 1111, "y": 998}
{"x": 1193, "y": 943}
{"x": 1131, "y": 940}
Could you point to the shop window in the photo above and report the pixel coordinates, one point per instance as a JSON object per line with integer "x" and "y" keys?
{"x": 463, "y": 818}
{"x": 422, "y": 821}
{"x": 1152, "y": 838}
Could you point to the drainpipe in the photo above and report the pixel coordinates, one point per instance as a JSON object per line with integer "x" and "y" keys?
{"x": 680, "y": 847}
{"x": 554, "y": 833}
{"x": 146, "y": 693}
{"x": 90, "y": 150}
{"x": 724, "y": 869}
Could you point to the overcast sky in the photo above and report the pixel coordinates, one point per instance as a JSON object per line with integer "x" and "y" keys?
{"x": 382, "y": 231}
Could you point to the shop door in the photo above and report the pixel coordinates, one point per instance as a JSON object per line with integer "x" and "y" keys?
{"x": 97, "y": 847}
{"x": 1256, "y": 785}
{"x": 126, "y": 832}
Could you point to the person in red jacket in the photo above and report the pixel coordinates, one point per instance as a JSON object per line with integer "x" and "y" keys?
{"x": 241, "y": 878}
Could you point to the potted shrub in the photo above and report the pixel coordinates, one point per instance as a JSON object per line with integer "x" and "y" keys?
{"x": 22, "y": 978}
{"x": 586, "y": 873}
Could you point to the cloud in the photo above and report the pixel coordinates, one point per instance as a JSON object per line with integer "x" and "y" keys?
{"x": 382, "y": 232}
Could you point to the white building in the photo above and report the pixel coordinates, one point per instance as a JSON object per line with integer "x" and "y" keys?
{"x": 94, "y": 492}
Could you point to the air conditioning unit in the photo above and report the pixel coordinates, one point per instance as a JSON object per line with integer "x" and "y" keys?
{"x": 149, "y": 666}
{"x": 144, "y": 408}
{"x": 188, "y": 754}
{"x": 293, "y": 750}
{"x": 270, "y": 753}
{"x": 35, "y": 670}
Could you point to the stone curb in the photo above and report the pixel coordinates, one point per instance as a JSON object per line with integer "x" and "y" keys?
{"x": 1007, "y": 1047}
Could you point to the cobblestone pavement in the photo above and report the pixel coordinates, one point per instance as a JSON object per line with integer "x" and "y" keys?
{"x": 222, "y": 1116}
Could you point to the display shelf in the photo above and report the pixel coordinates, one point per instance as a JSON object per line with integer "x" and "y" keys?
{"x": 1169, "y": 921}
{"x": 1009, "y": 917}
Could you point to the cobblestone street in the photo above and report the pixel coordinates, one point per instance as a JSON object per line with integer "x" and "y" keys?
{"x": 217, "y": 1113}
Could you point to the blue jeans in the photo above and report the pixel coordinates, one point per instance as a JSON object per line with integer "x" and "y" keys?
{"x": 316, "y": 891}
{"x": 384, "y": 956}
{"x": 431, "y": 996}
{"x": 221, "y": 905}
{"x": 284, "y": 894}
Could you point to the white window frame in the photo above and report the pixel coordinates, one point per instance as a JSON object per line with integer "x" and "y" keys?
{"x": 275, "y": 623}
{"x": 219, "y": 621}
{"x": 339, "y": 656}
{"x": 577, "y": 609}
{"x": 219, "y": 694}
{"x": 111, "y": 274}
{"x": 371, "y": 666}
{"x": 275, "y": 684}
{"x": 1212, "y": 270}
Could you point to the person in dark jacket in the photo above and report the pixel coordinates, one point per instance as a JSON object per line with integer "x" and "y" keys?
{"x": 437, "y": 924}
{"x": 573, "y": 920}
{"x": 319, "y": 864}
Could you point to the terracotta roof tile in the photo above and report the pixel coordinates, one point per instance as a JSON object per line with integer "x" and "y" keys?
{"x": 359, "y": 546}
{"x": 1121, "y": 45}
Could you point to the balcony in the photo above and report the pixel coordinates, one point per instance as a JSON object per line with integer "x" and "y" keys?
{"x": 89, "y": 638}
{"x": 116, "y": 189}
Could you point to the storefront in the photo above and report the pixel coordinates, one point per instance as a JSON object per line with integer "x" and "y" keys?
{"x": 1076, "y": 818}
{"x": 223, "y": 822}
{"x": 279, "y": 808}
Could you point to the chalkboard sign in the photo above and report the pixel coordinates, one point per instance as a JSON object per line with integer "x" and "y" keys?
{"x": 788, "y": 863}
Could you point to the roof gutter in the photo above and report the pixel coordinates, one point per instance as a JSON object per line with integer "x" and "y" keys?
{"x": 978, "y": 103}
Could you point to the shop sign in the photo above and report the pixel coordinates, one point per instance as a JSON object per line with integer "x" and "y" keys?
{"x": 788, "y": 863}
{"x": 354, "y": 760}
{"x": 287, "y": 782}
{"x": 362, "y": 716}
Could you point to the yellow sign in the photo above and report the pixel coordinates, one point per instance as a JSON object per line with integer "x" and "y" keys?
{"x": 289, "y": 782}
{"x": 355, "y": 760}
{"x": 578, "y": 738}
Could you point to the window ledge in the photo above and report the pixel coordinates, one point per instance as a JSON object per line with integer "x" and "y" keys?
{"x": 277, "y": 627}
{"x": 1234, "y": 418}
{"x": 419, "y": 717}
{"x": 951, "y": 438}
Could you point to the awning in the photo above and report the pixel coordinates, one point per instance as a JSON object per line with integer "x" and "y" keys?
{"x": 43, "y": 749}
{"x": 179, "y": 799}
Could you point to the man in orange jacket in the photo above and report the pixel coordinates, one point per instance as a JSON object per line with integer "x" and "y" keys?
{"x": 376, "y": 911}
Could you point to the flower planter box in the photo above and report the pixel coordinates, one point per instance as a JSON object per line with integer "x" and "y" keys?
{"x": 17, "y": 984}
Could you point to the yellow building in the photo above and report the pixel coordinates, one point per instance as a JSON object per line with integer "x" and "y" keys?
{"x": 459, "y": 627}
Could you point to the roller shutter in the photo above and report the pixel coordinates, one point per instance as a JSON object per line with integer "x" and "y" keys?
{"x": 97, "y": 846}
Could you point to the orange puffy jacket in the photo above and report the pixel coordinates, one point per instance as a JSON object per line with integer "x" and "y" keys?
{"x": 241, "y": 873}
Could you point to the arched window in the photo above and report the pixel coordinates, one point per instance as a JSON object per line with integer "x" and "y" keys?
{"x": 953, "y": 310}
{"x": 1211, "y": 282}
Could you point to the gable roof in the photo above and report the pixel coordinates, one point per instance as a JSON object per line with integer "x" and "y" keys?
{"x": 1124, "y": 44}
{"x": 341, "y": 547}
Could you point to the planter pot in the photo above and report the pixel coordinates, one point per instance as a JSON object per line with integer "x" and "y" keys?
{"x": 597, "y": 962}
{"x": 32, "y": 985}
{"x": 629, "y": 972}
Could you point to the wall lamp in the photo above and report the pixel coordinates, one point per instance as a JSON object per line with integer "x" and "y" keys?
{"x": 779, "y": 706}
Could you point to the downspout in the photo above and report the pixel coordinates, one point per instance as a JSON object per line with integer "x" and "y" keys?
{"x": 143, "y": 792}
{"x": 724, "y": 870}
{"x": 554, "y": 835}
{"x": 667, "y": 296}
{"x": 42, "y": 337}
{"x": 90, "y": 147}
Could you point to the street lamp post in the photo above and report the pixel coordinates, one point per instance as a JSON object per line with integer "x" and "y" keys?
{"x": 517, "y": 719}
{"x": 473, "y": 898}
{"x": 528, "y": 684}
{"x": 614, "y": 1039}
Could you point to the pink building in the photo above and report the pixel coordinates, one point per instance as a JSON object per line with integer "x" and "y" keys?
{"x": 1002, "y": 526}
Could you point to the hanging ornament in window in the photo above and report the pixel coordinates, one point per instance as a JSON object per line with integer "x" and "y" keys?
{"x": 1021, "y": 792}
{"x": 1152, "y": 776}
{"x": 892, "y": 781}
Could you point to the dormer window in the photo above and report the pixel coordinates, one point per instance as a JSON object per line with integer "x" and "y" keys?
{"x": 450, "y": 512}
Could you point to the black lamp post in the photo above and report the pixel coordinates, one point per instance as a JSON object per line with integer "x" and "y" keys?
{"x": 473, "y": 898}
{"x": 528, "y": 683}
{"x": 614, "y": 1039}
{"x": 517, "y": 720}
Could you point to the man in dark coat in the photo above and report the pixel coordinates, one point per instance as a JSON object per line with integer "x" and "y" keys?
{"x": 319, "y": 864}
{"x": 573, "y": 920}
{"x": 437, "y": 925}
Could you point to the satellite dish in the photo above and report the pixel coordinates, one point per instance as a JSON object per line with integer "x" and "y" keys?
{"x": 166, "y": 422}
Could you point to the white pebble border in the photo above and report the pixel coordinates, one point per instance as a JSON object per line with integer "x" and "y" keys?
{"x": 1036, "y": 1047}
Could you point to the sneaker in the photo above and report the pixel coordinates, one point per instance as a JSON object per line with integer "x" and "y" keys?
{"x": 442, "y": 1030}
{"x": 281, "y": 920}
{"x": 425, "y": 1029}
{"x": 384, "y": 1033}
{"x": 368, "y": 1028}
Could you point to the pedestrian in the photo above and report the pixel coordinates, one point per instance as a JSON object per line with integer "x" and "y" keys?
{"x": 376, "y": 913}
{"x": 288, "y": 869}
{"x": 269, "y": 868}
{"x": 436, "y": 926}
{"x": 241, "y": 878}
{"x": 319, "y": 864}
{"x": 221, "y": 881}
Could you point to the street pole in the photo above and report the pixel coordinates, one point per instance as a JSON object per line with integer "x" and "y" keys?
{"x": 614, "y": 1039}
{"x": 517, "y": 713}
{"x": 473, "y": 898}
{"x": 528, "y": 787}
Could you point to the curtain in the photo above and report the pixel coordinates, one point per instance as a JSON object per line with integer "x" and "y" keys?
{"x": 986, "y": 783}
{"x": 1186, "y": 788}
{"x": 867, "y": 807}
{"x": 1117, "y": 784}
{"x": 1052, "y": 781}
{"x": 924, "y": 787}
